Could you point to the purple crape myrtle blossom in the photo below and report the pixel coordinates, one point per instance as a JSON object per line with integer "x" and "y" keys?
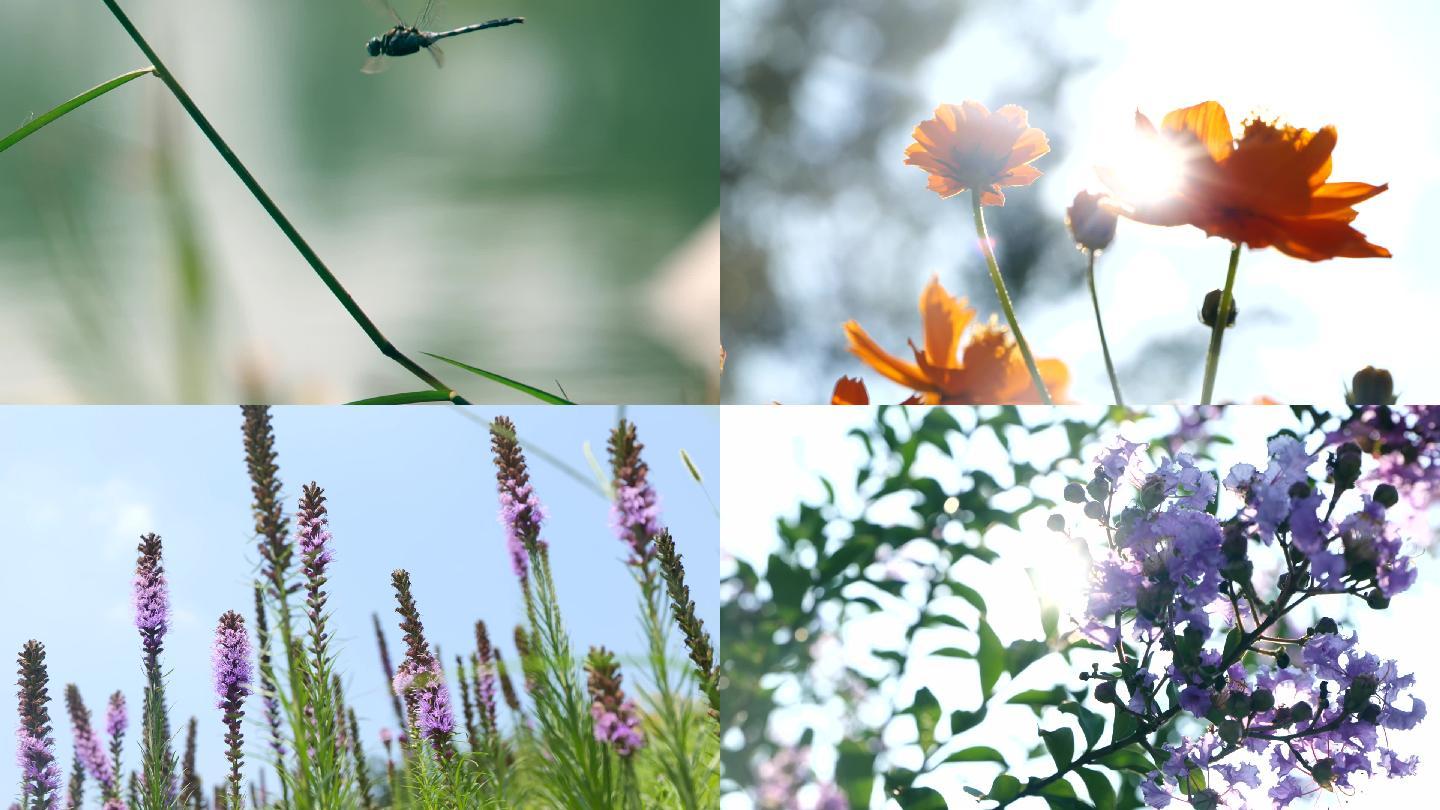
{"x": 1279, "y": 718}
{"x": 1405, "y": 441}
{"x": 782, "y": 784}
{"x": 520, "y": 511}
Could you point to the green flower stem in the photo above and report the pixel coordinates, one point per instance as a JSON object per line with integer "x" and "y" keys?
{"x": 1004, "y": 296}
{"x": 1100, "y": 326}
{"x": 1217, "y": 332}
{"x": 34, "y": 124}
{"x": 336, "y": 288}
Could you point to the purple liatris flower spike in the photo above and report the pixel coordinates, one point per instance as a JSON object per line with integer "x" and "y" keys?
{"x": 89, "y": 751}
{"x": 116, "y": 720}
{"x": 152, "y": 598}
{"x": 313, "y": 539}
{"x": 520, "y": 511}
{"x": 419, "y": 680}
{"x": 635, "y": 514}
{"x": 34, "y": 747}
{"x": 233, "y": 674}
{"x": 617, "y": 721}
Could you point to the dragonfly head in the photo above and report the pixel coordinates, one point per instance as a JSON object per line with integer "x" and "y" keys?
{"x": 373, "y": 47}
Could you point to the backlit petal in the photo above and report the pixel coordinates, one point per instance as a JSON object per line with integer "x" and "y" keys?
{"x": 1207, "y": 123}
{"x": 944, "y": 318}
{"x": 892, "y": 367}
{"x": 850, "y": 391}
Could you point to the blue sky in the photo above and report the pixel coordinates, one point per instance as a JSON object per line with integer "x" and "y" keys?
{"x": 408, "y": 488}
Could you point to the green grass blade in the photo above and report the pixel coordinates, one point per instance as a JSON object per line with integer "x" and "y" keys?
{"x": 405, "y": 398}
{"x": 543, "y": 396}
{"x": 84, "y": 98}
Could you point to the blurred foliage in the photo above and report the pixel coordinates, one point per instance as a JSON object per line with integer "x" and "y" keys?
{"x": 460, "y": 206}
{"x": 827, "y": 569}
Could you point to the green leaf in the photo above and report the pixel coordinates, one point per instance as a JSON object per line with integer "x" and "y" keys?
{"x": 34, "y": 124}
{"x": 1102, "y": 793}
{"x": 953, "y": 652}
{"x": 991, "y": 657}
{"x": 1061, "y": 745}
{"x": 926, "y": 710}
{"x": 921, "y": 798}
{"x": 855, "y": 772}
{"x": 406, "y": 398}
{"x": 1035, "y": 698}
{"x": 978, "y": 753}
{"x": 542, "y": 395}
{"x": 961, "y": 721}
{"x": 1023, "y": 653}
{"x": 969, "y": 594}
{"x": 945, "y": 619}
{"x": 1128, "y": 759}
{"x": 1004, "y": 788}
{"x": 787, "y": 584}
{"x": 1092, "y": 724}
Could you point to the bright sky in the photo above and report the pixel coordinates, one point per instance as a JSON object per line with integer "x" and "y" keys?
{"x": 408, "y": 488}
{"x": 775, "y": 459}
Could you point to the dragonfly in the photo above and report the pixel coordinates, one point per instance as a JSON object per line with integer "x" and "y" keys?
{"x": 403, "y": 40}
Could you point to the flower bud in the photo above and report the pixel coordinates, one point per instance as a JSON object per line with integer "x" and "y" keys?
{"x": 1207, "y": 799}
{"x": 1370, "y": 714}
{"x": 1090, "y": 223}
{"x": 1345, "y": 467}
{"x": 1301, "y": 712}
{"x": 1326, "y": 626}
{"x": 1099, "y": 488}
{"x": 1371, "y": 386}
{"x": 1056, "y": 523}
{"x": 1105, "y": 692}
{"x": 1282, "y": 660}
{"x": 1386, "y": 495}
{"x": 1323, "y": 772}
{"x": 1230, "y": 731}
{"x": 1238, "y": 704}
{"x": 1074, "y": 493}
{"x": 1262, "y": 700}
{"x": 1094, "y": 510}
{"x": 1358, "y": 696}
{"x": 1377, "y": 600}
{"x": 1210, "y": 310}
{"x": 1284, "y": 717}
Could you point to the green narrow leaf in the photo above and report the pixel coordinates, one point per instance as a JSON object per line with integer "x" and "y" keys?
{"x": 969, "y": 594}
{"x": 540, "y": 394}
{"x": 1035, "y": 698}
{"x": 1061, "y": 745}
{"x": 991, "y": 656}
{"x": 1022, "y": 654}
{"x": 977, "y": 753}
{"x": 855, "y": 772}
{"x": 405, "y": 398}
{"x": 34, "y": 124}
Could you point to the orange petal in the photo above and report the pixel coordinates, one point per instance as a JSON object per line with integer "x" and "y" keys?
{"x": 892, "y": 367}
{"x": 944, "y": 318}
{"x": 1021, "y": 176}
{"x": 1331, "y": 196}
{"x": 1031, "y": 144}
{"x": 1205, "y": 121}
{"x": 1320, "y": 239}
{"x": 1143, "y": 125}
{"x": 850, "y": 391}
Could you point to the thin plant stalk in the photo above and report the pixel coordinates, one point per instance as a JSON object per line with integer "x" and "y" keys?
{"x": 386, "y": 348}
{"x": 1100, "y": 327}
{"x": 33, "y": 125}
{"x": 1217, "y": 332}
{"x": 1004, "y": 295}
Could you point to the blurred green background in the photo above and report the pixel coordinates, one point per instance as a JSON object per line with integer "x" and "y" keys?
{"x": 543, "y": 207}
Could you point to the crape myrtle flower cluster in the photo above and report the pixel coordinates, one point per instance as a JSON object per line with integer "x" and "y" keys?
{"x": 1201, "y": 629}
{"x": 782, "y": 784}
{"x": 1405, "y": 443}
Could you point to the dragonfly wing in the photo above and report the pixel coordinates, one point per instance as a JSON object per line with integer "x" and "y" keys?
{"x": 375, "y": 64}
{"x": 384, "y": 5}
{"x": 438, "y": 54}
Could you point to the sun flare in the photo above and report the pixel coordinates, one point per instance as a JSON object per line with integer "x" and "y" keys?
{"x": 1148, "y": 170}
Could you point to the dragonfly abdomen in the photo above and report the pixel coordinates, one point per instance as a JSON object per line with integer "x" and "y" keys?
{"x": 503, "y": 21}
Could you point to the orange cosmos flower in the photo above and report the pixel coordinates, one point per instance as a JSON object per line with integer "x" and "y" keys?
{"x": 851, "y": 391}
{"x": 1266, "y": 189}
{"x": 987, "y": 370}
{"x": 966, "y": 146}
